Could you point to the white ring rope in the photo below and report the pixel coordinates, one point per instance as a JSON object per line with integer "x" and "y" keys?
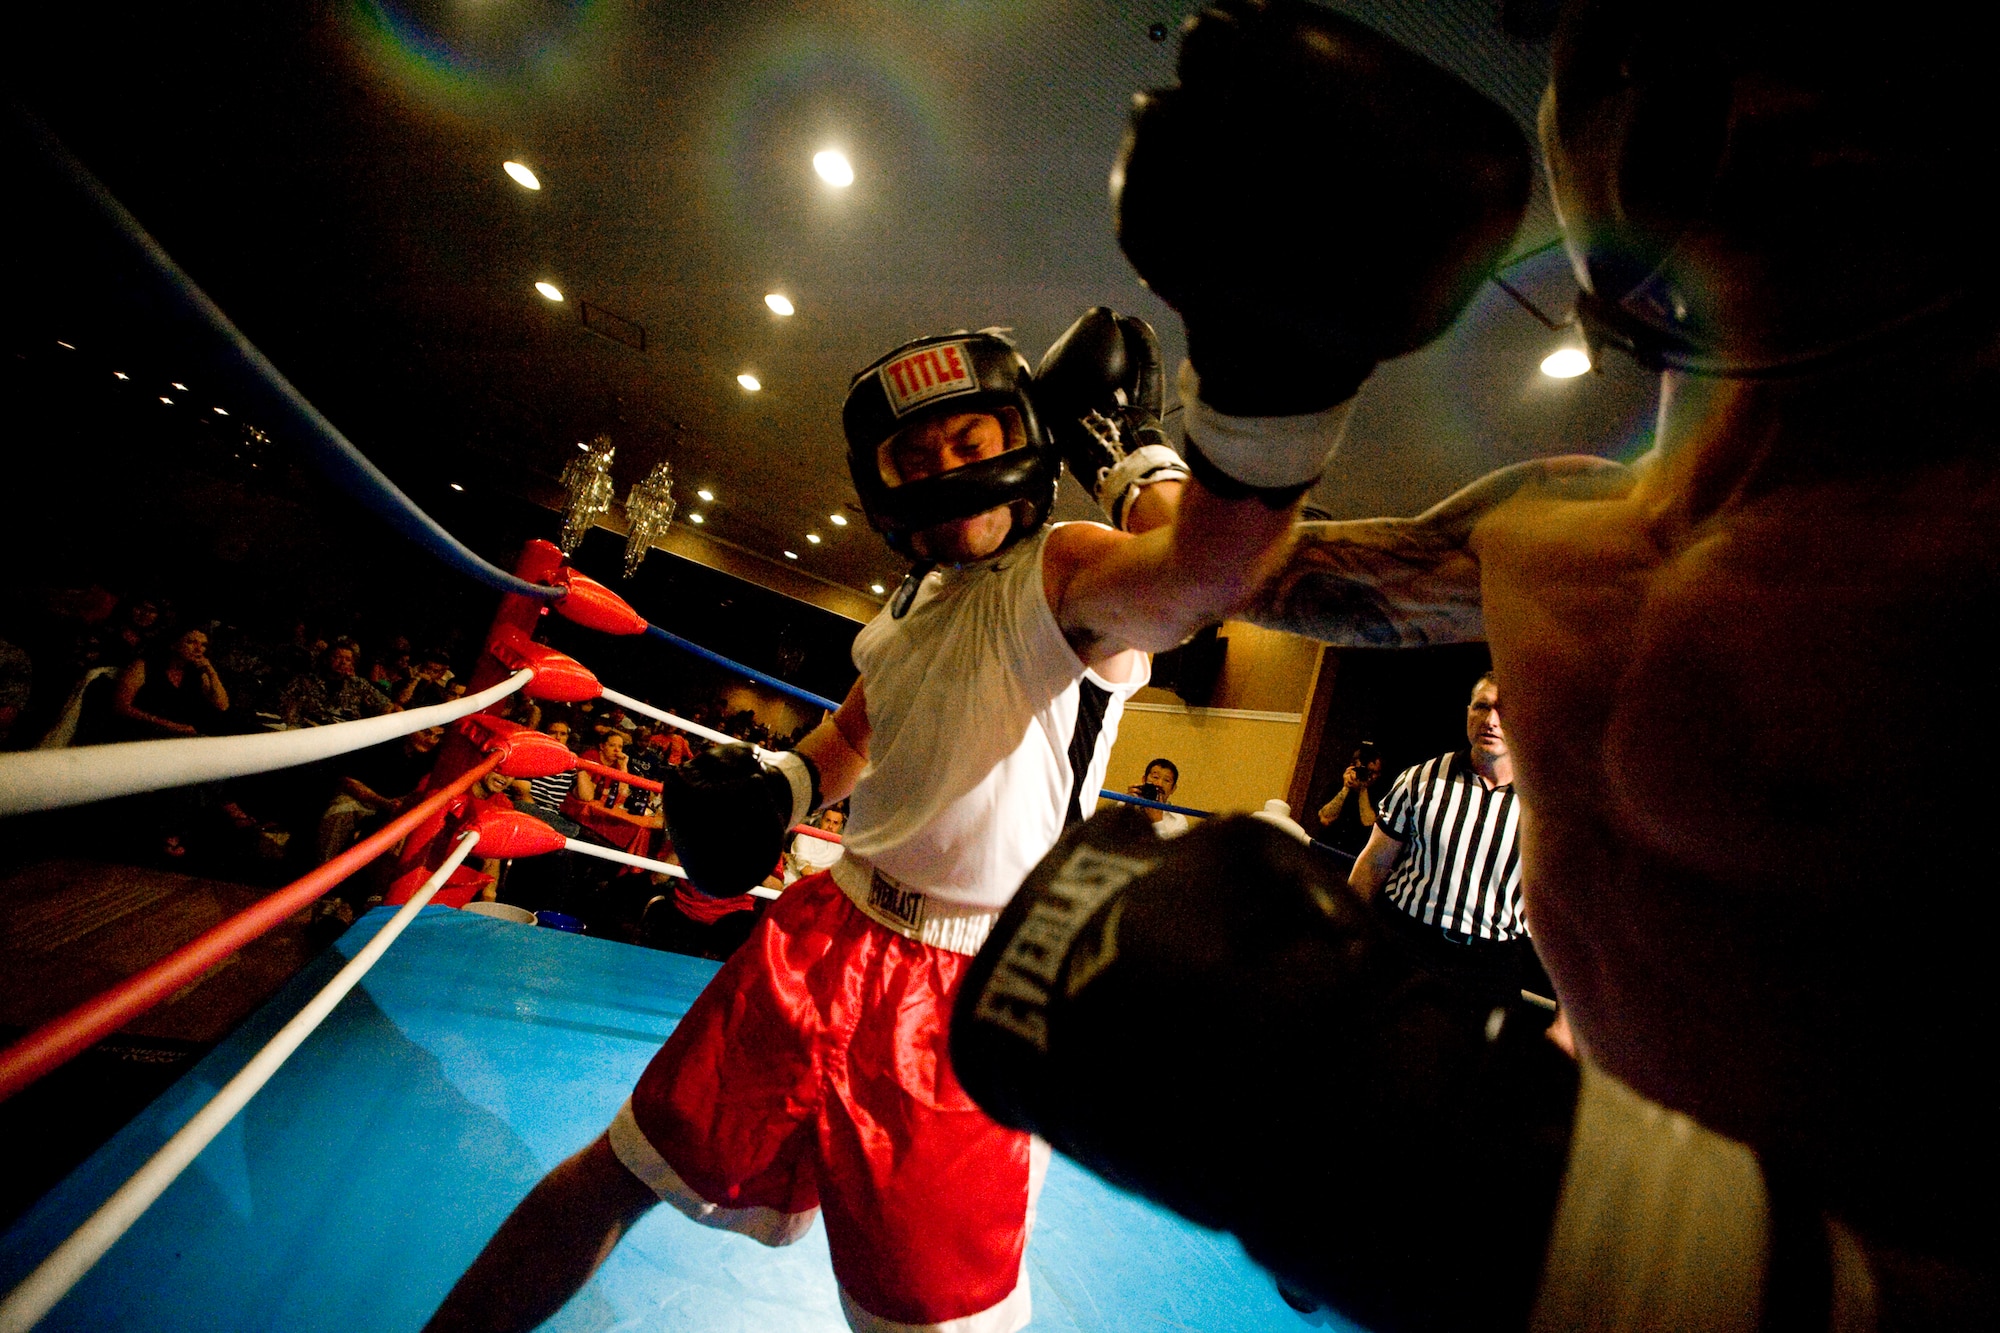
{"x": 645, "y": 863}
{"x": 51, "y": 779}
{"x": 62, "y": 1270}
{"x": 706, "y": 733}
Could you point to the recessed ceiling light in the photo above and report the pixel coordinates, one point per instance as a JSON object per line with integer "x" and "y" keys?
{"x": 696, "y": 518}
{"x": 813, "y": 537}
{"x": 791, "y": 555}
{"x": 182, "y": 387}
{"x": 1565, "y": 363}
{"x": 168, "y": 401}
{"x": 838, "y": 520}
{"x": 121, "y": 375}
{"x": 550, "y": 290}
{"x": 779, "y": 305}
{"x": 61, "y": 343}
{"x": 218, "y": 411}
{"x": 707, "y": 495}
{"x": 455, "y": 486}
{"x": 877, "y": 589}
{"x": 750, "y": 382}
{"x": 834, "y": 168}
{"x": 522, "y": 176}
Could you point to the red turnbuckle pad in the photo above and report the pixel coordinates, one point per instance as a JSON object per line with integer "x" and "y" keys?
{"x": 523, "y": 753}
{"x": 594, "y": 606}
{"x": 508, "y": 833}
{"x": 558, "y": 676}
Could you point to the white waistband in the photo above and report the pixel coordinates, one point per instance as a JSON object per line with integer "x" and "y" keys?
{"x": 912, "y": 913}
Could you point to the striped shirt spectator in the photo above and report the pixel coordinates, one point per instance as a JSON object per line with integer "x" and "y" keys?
{"x": 1461, "y": 868}
{"x": 550, "y": 792}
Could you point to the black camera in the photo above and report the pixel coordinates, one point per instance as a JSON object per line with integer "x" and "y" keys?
{"x": 1365, "y": 754}
{"x": 1151, "y": 791}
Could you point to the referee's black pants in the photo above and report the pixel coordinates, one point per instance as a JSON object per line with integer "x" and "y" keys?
{"x": 1497, "y": 971}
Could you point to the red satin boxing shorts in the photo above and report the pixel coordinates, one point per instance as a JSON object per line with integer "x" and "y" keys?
{"x": 813, "y": 1073}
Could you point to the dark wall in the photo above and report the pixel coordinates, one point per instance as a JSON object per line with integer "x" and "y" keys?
{"x": 1410, "y": 702}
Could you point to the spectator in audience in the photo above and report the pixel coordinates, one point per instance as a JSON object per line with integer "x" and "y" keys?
{"x": 333, "y": 692}
{"x": 131, "y": 634}
{"x": 671, "y": 745}
{"x": 430, "y": 676}
{"x": 170, "y": 692}
{"x": 1162, "y": 776}
{"x": 810, "y": 855}
{"x": 597, "y": 802}
{"x": 1350, "y": 815}
{"x": 378, "y": 781}
{"x": 544, "y": 797}
{"x": 519, "y": 708}
{"x": 432, "y": 841}
{"x": 388, "y": 669}
{"x": 1450, "y": 888}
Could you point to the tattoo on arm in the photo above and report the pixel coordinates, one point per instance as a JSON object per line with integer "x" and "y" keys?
{"x": 1373, "y": 583}
{"x": 1408, "y": 582}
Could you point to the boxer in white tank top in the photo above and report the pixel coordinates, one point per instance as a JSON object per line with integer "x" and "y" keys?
{"x": 974, "y": 704}
{"x": 815, "y": 1066}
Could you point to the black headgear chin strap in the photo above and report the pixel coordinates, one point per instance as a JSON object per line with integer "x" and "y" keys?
{"x": 906, "y": 592}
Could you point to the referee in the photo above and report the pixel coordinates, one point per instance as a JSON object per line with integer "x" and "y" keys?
{"x": 1442, "y": 865}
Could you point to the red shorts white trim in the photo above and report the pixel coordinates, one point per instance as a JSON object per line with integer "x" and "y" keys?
{"x": 813, "y": 1072}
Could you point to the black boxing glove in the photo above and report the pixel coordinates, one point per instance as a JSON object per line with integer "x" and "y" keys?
{"x": 1219, "y": 1023}
{"x": 728, "y": 812}
{"x": 1099, "y": 392}
{"x": 1312, "y": 198}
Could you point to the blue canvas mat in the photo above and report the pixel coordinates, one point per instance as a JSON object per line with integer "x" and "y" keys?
{"x": 360, "y": 1183}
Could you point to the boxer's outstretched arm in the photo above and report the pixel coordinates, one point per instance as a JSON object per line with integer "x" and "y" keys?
{"x": 1113, "y": 591}
{"x": 838, "y": 746}
{"x": 1408, "y": 582}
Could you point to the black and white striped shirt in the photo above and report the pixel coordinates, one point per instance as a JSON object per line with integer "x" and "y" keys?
{"x": 1461, "y": 869}
{"x": 549, "y": 792}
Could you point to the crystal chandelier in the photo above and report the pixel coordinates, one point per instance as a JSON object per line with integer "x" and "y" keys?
{"x": 588, "y": 481}
{"x": 649, "y": 509}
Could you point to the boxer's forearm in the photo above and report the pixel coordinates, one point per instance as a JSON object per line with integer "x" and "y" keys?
{"x": 838, "y": 747}
{"x": 1408, "y": 582}
{"x": 1373, "y": 583}
{"x": 1151, "y": 591}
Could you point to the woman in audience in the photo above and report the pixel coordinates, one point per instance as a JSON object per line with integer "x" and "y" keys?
{"x": 175, "y": 692}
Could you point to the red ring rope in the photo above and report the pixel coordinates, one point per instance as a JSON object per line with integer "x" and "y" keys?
{"x": 56, "y": 1042}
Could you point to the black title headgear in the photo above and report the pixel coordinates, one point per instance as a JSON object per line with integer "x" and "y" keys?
{"x": 958, "y": 372}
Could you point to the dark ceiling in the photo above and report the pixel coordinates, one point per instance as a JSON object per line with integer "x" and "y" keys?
{"x": 331, "y": 175}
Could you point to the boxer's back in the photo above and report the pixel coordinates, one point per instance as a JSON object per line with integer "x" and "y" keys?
{"x": 1745, "y": 702}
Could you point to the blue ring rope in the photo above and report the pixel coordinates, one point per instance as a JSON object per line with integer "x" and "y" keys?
{"x": 346, "y": 466}
{"x": 1129, "y": 799}
{"x": 685, "y": 645}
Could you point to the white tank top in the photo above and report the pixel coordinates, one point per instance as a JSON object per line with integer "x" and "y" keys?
{"x": 974, "y": 698}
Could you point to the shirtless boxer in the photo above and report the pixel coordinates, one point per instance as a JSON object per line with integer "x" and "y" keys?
{"x": 1745, "y": 698}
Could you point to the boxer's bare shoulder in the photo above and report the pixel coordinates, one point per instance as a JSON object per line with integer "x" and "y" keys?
{"x": 1716, "y": 723}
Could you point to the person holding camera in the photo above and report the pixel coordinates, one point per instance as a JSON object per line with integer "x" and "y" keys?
{"x": 1162, "y": 776}
{"x": 1350, "y": 815}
